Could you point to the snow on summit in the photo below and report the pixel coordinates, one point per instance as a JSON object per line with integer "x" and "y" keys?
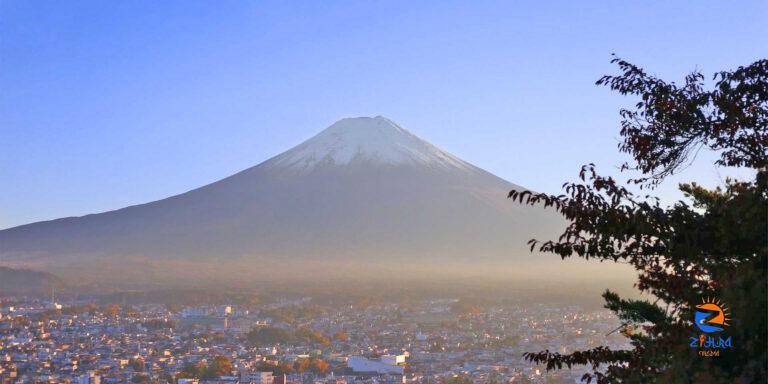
{"x": 366, "y": 139}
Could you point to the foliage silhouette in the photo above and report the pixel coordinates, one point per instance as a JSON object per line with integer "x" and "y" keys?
{"x": 714, "y": 245}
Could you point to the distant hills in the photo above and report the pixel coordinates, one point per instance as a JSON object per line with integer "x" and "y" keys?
{"x": 28, "y": 282}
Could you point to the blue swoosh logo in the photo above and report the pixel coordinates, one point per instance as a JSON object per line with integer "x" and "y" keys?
{"x": 701, "y": 318}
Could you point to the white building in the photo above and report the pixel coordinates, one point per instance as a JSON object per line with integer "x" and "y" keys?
{"x": 388, "y": 365}
{"x": 393, "y": 359}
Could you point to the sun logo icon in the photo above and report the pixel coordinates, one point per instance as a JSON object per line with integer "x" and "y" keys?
{"x": 712, "y": 315}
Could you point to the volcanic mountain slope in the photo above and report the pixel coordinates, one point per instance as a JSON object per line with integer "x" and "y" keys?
{"x": 362, "y": 190}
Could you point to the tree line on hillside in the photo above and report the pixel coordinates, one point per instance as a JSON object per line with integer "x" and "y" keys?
{"x": 270, "y": 336}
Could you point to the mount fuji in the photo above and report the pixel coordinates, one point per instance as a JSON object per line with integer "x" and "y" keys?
{"x": 362, "y": 193}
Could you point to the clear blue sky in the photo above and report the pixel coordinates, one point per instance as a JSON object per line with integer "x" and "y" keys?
{"x": 104, "y": 104}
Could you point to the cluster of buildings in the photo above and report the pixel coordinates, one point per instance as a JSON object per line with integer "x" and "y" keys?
{"x": 383, "y": 343}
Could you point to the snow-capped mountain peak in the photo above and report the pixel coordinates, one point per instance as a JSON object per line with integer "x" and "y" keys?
{"x": 361, "y": 198}
{"x": 375, "y": 140}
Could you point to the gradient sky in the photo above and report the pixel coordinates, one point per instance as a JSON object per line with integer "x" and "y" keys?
{"x": 104, "y": 104}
